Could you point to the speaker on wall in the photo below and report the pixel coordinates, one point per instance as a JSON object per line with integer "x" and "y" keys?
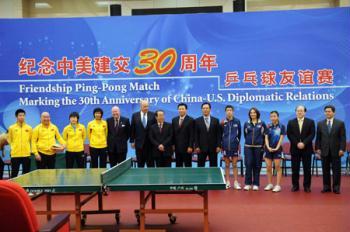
{"x": 178, "y": 10}
{"x": 115, "y": 9}
{"x": 239, "y": 6}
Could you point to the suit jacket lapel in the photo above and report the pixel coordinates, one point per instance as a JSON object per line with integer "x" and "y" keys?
{"x": 183, "y": 122}
{"x": 297, "y": 126}
{"x": 148, "y": 119}
{"x": 177, "y": 123}
{"x": 326, "y": 127}
{"x": 164, "y": 128}
{"x": 160, "y": 133}
{"x": 333, "y": 126}
{"x": 120, "y": 123}
{"x": 210, "y": 124}
{"x": 303, "y": 126}
{"x": 203, "y": 120}
{"x": 138, "y": 117}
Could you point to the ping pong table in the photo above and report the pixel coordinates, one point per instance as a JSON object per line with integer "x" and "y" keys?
{"x": 149, "y": 182}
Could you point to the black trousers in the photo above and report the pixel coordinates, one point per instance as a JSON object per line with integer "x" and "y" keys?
{"x": 116, "y": 157}
{"x": 98, "y": 154}
{"x": 74, "y": 157}
{"x": 183, "y": 159}
{"x": 47, "y": 161}
{"x": 17, "y": 162}
{"x": 162, "y": 161}
{"x": 2, "y": 164}
{"x": 213, "y": 159}
{"x": 329, "y": 162}
{"x": 144, "y": 156}
{"x": 305, "y": 158}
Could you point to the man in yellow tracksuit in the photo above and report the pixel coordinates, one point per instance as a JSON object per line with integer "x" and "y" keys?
{"x": 19, "y": 137}
{"x": 74, "y": 134}
{"x": 97, "y": 133}
{"x": 44, "y": 144}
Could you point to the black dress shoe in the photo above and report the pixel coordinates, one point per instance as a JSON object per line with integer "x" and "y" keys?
{"x": 294, "y": 189}
{"x": 307, "y": 190}
{"x": 336, "y": 191}
{"x": 326, "y": 191}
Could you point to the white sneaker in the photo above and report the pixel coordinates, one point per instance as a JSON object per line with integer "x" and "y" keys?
{"x": 247, "y": 187}
{"x": 255, "y": 188}
{"x": 228, "y": 184}
{"x": 268, "y": 187}
{"x": 277, "y": 189}
{"x": 237, "y": 186}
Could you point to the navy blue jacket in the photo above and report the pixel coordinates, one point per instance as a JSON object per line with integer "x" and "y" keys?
{"x": 254, "y": 134}
{"x": 231, "y": 135}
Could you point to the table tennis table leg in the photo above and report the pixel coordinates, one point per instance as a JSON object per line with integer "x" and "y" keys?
{"x": 142, "y": 211}
{"x": 48, "y": 206}
{"x": 77, "y": 211}
{"x": 100, "y": 201}
{"x": 206, "y": 218}
{"x": 153, "y": 200}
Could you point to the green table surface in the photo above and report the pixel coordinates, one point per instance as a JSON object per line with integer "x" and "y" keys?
{"x": 133, "y": 179}
{"x": 61, "y": 180}
{"x": 169, "y": 179}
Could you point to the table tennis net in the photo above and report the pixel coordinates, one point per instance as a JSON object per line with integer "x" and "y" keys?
{"x": 116, "y": 171}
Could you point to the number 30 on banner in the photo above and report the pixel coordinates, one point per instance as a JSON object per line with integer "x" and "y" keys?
{"x": 152, "y": 60}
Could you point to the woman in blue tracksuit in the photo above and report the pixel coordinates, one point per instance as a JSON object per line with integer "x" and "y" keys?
{"x": 254, "y": 130}
{"x": 231, "y": 136}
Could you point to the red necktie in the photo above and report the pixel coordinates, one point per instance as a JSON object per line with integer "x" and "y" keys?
{"x": 181, "y": 121}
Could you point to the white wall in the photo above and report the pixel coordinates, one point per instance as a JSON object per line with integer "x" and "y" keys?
{"x": 344, "y": 3}
{"x": 10, "y": 8}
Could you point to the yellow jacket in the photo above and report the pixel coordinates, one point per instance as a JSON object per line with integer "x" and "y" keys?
{"x": 44, "y": 138}
{"x": 74, "y": 137}
{"x": 19, "y": 138}
{"x": 97, "y": 133}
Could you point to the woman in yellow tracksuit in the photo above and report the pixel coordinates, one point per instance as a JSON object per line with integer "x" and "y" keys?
{"x": 97, "y": 133}
{"x": 74, "y": 134}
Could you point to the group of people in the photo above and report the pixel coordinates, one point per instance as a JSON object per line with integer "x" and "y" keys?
{"x": 155, "y": 141}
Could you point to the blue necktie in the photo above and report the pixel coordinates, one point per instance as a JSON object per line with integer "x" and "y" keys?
{"x": 329, "y": 126}
{"x": 144, "y": 123}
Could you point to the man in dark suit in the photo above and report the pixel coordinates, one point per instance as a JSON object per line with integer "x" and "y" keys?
{"x": 160, "y": 136}
{"x": 207, "y": 137}
{"x": 301, "y": 132}
{"x": 183, "y": 128}
{"x": 140, "y": 123}
{"x": 117, "y": 137}
{"x": 330, "y": 146}
{"x": 3, "y": 142}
